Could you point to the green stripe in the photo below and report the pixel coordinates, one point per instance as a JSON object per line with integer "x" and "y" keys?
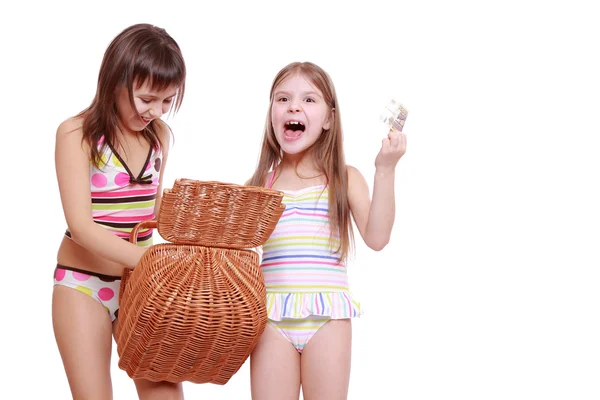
{"x": 123, "y": 206}
{"x": 280, "y": 239}
{"x": 145, "y": 243}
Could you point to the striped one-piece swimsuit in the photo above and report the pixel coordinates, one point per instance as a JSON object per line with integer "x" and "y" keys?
{"x": 306, "y": 284}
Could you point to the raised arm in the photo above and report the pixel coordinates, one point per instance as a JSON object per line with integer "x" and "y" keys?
{"x": 73, "y": 174}
{"x": 375, "y": 218}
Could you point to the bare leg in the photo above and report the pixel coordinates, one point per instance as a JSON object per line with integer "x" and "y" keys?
{"x": 325, "y": 362}
{"x": 82, "y": 329}
{"x": 148, "y": 390}
{"x": 274, "y": 368}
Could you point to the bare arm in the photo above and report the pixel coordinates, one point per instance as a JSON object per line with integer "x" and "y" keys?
{"x": 73, "y": 174}
{"x": 165, "y": 138}
{"x": 375, "y": 219}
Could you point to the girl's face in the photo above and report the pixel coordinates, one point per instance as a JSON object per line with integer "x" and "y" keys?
{"x": 299, "y": 114}
{"x": 150, "y": 104}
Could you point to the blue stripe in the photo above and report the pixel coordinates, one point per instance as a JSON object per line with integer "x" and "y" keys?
{"x": 285, "y": 302}
{"x": 306, "y": 209}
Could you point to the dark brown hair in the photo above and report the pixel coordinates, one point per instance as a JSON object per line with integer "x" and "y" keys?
{"x": 139, "y": 54}
{"x": 327, "y": 151}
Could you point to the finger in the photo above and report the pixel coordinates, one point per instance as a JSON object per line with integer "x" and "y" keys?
{"x": 402, "y": 144}
{"x": 385, "y": 143}
{"x": 395, "y": 139}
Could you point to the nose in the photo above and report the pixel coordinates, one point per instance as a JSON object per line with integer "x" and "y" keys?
{"x": 156, "y": 111}
{"x": 294, "y": 106}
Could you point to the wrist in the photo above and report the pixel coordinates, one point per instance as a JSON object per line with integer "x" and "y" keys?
{"x": 384, "y": 172}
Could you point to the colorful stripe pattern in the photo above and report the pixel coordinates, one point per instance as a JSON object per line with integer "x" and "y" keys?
{"x": 300, "y": 263}
{"x": 120, "y": 199}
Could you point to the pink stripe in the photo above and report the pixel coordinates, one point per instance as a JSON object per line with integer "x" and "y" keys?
{"x": 303, "y": 273}
{"x": 293, "y": 281}
{"x": 298, "y": 232}
{"x": 125, "y": 193}
{"x": 299, "y": 262}
{"x": 109, "y": 218}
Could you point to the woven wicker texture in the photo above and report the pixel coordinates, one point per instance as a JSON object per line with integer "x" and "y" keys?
{"x": 194, "y": 312}
{"x": 218, "y": 215}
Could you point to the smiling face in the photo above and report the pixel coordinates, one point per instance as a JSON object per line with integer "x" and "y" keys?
{"x": 299, "y": 114}
{"x": 149, "y": 104}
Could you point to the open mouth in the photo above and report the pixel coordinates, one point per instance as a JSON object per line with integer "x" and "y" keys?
{"x": 293, "y": 129}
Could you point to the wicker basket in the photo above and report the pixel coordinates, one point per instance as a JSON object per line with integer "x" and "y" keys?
{"x": 195, "y": 312}
{"x": 218, "y": 215}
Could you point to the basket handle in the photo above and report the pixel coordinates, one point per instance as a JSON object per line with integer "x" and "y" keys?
{"x": 144, "y": 224}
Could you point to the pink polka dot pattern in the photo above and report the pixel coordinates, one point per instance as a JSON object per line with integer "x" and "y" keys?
{"x": 155, "y": 181}
{"x": 157, "y": 163}
{"x": 59, "y": 275}
{"x": 80, "y": 277}
{"x": 99, "y": 180}
{"x": 106, "y": 294}
{"x": 104, "y": 289}
{"x": 148, "y": 166}
{"x": 121, "y": 179}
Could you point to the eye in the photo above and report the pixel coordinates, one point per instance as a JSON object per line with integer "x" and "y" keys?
{"x": 310, "y": 100}
{"x": 282, "y": 99}
{"x": 145, "y": 101}
{"x": 168, "y": 100}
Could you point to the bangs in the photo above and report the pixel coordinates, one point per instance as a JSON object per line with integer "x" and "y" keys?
{"x": 313, "y": 74}
{"x": 160, "y": 71}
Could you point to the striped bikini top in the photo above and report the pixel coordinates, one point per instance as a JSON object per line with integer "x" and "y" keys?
{"x": 299, "y": 255}
{"x": 122, "y": 199}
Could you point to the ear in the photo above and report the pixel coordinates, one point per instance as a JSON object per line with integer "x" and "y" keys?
{"x": 329, "y": 120}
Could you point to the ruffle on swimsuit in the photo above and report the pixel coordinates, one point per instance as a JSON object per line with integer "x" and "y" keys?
{"x": 336, "y": 305}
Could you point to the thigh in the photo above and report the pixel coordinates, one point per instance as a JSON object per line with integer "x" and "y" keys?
{"x": 274, "y": 368}
{"x": 325, "y": 363}
{"x": 83, "y": 333}
{"x": 148, "y": 390}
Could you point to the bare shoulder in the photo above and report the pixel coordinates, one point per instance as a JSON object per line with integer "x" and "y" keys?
{"x": 69, "y": 137}
{"x": 164, "y": 133}
{"x": 354, "y": 176}
{"x": 72, "y": 125}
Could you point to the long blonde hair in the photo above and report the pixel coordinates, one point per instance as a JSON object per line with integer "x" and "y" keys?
{"x": 327, "y": 151}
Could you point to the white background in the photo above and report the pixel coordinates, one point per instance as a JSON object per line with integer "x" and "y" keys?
{"x": 489, "y": 288}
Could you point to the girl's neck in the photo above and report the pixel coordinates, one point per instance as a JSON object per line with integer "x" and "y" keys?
{"x": 304, "y": 164}
{"x": 299, "y": 172}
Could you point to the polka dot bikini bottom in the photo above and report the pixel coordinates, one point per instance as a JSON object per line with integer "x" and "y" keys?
{"x": 102, "y": 288}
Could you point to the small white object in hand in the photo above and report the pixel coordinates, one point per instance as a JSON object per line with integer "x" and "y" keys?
{"x": 394, "y": 115}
